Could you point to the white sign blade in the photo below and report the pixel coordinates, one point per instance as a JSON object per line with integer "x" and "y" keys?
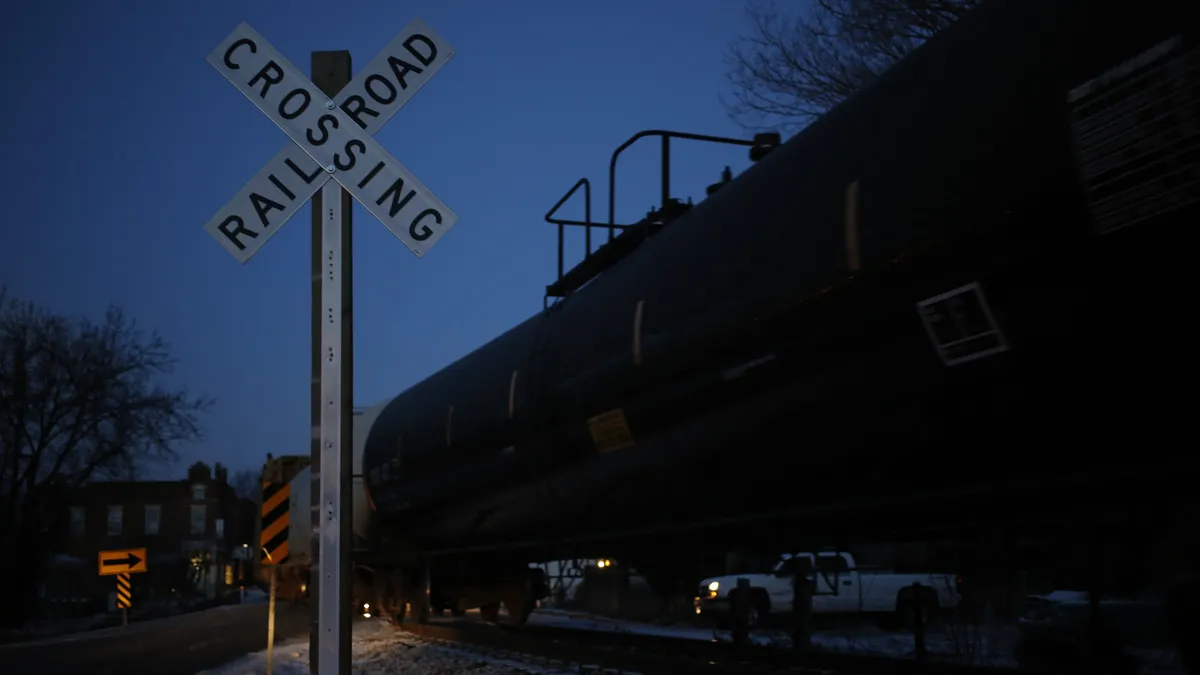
{"x": 394, "y": 76}
{"x": 388, "y": 82}
{"x": 332, "y": 139}
{"x": 264, "y": 204}
{"x": 393, "y": 195}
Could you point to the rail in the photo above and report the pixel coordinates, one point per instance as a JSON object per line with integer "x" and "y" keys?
{"x": 570, "y": 648}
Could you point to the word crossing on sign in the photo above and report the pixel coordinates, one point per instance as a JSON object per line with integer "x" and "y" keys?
{"x": 276, "y": 505}
{"x": 122, "y": 561}
{"x": 124, "y": 592}
{"x": 331, "y": 140}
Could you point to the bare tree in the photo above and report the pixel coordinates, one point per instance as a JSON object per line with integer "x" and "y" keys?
{"x": 78, "y": 400}
{"x": 799, "y": 62}
{"x": 245, "y": 483}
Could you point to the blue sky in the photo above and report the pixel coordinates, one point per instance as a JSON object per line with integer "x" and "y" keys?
{"x": 123, "y": 142}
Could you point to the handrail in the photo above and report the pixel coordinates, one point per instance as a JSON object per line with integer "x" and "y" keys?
{"x": 587, "y": 216}
{"x": 666, "y": 164}
{"x": 587, "y": 205}
{"x": 587, "y": 224}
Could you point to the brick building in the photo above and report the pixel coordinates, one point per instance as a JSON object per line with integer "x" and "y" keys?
{"x": 196, "y": 533}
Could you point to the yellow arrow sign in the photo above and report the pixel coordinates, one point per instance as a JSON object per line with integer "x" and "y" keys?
{"x": 123, "y": 561}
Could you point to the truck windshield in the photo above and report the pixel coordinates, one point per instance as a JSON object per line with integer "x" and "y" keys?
{"x": 795, "y": 565}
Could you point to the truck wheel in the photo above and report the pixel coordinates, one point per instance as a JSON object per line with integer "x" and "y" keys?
{"x": 759, "y": 608}
{"x": 490, "y": 612}
{"x": 906, "y": 608}
{"x": 421, "y": 609}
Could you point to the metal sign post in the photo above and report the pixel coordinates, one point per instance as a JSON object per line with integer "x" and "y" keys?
{"x": 331, "y": 139}
{"x": 333, "y": 467}
{"x": 272, "y": 572}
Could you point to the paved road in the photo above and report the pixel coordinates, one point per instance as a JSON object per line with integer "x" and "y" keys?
{"x": 180, "y": 645}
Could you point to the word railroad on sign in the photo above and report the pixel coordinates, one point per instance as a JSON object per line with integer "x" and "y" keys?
{"x": 331, "y": 140}
{"x": 276, "y": 506}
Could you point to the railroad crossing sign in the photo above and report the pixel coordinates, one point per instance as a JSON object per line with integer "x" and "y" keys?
{"x": 122, "y": 561}
{"x": 331, "y": 140}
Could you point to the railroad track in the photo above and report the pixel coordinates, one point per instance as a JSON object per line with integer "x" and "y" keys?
{"x": 607, "y": 653}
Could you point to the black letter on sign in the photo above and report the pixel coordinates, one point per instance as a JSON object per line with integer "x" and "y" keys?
{"x": 351, "y": 159}
{"x": 262, "y": 205}
{"x": 397, "y": 203}
{"x": 391, "y": 89}
{"x": 270, "y": 74}
{"x": 282, "y": 188}
{"x": 231, "y": 227}
{"x": 304, "y": 177}
{"x": 424, "y": 233}
{"x": 303, "y": 106}
{"x": 355, "y": 106}
{"x": 401, "y": 68}
{"x": 425, "y": 60}
{"x": 323, "y": 122}
{"x": 233, "y": 47}
{"x": 367, "y": 179}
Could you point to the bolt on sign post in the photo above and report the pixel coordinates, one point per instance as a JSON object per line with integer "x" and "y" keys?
{"x": 332, "y": 156}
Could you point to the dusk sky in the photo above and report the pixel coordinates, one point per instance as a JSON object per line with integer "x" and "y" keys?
{"x": 123, "y": 142}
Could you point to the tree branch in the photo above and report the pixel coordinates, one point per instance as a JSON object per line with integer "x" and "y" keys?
{"x": 78, "y": 400}
{"x": 795, "y": 65}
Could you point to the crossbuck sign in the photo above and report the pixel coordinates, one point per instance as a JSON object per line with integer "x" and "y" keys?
{"x": 331, "y": 140}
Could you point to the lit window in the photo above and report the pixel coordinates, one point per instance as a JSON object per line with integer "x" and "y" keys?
{"x": 78, "y": 521}
{"x": 153, "y": 518}
{"x": 114, "y": 520}
{"x": 199, "y": 519}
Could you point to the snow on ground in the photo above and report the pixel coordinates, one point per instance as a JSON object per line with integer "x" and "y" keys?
{"x": 990, "y": 645}
{"x": 379, "y": 648}
{"x": 987, "y": 646}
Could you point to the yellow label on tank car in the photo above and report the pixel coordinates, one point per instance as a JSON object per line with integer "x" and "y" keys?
{"x": 610, "y": 431}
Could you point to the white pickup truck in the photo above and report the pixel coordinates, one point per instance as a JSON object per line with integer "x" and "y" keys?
{"x": 841, "y": 587}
